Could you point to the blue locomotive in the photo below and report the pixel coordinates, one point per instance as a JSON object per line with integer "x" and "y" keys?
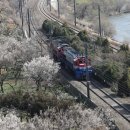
{"x": 71, "y": 59}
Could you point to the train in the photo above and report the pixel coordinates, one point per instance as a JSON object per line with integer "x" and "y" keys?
{"x": 71, "y": 59}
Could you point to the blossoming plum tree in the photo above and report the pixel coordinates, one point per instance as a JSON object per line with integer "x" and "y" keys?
{"x": 75, "y": 117}
{"x": 13, "y": 54}
{"x": 42, "y": 69}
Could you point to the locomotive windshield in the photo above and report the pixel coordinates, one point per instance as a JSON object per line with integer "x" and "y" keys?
{"x": 81, "y": 61}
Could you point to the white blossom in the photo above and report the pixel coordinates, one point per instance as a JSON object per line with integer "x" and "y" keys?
{"x": 41, "y": 69}
{"x": 75, "y": 117}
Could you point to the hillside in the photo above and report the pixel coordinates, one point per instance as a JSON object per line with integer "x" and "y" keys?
{"x": 31, "y": 96}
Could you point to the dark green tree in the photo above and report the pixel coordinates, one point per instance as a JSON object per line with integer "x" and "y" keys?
{"x": 83, "y": 36}
{"x": 98, "y": 41}
{"x": 124, "y": 47}
{"x": 111, "y": 71}
{"x": 77, "y": 44}
{"x": 124, "y": 84}
{"x": 105, "y": 43}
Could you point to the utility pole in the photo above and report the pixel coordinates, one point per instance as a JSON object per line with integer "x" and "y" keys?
{"x": 75, "y": 12}
{"x": 21, "y": 13}
{"x": 87, "y": 71}
{"x": 47, "y": 2}
{"x": 100, "y": 29}
{"x": 22, "y": 19}
{"x": 58, "y": 5}
{"x": 23, "y": 2}
{"x": 51, "y": 32}
{"x": 29, "y": 29}
{"x": 50, "y": 5}
{"x": 20, "y": 8}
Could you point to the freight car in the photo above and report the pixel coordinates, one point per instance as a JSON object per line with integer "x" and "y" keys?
{"x": 70, "y": 59}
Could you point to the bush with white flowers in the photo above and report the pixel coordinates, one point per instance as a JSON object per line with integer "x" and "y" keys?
{"x": 42, "y": 69}
{"x": 76, "y": 117}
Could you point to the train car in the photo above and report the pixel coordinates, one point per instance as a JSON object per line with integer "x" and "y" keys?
{"x": 71, "y": 59}
{"x": 57, "y": 49}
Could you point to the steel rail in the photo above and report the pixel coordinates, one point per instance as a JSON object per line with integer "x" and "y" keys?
{"x": 121, "y": 106}
{"x": 38, "y": 36}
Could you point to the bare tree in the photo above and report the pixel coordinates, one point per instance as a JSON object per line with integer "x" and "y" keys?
{"x": 14, "y": 54}
{"x": 107, "y": 28}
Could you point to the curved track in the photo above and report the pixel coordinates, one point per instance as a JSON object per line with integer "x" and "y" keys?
{"x": 51, "y": 17}
{"x": 114, "y": 104}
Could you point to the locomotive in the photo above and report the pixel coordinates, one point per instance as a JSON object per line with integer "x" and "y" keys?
{"x": 70, "y": 59}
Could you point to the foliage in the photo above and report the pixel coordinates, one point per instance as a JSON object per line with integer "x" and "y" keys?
{"x": 42, "y": 69}
{"x": 55, "y": 29}
{"x": 48, "y": 26}
{"x": 124, "y": 84}
{"x": 124, "y": 47}
{"x": 102, "y": 42}
{"x": 107, "y": 49}
{"x": 76, "y": 117}
{"x": 34, "y": 102}
{"x": 66, "y": 32}
{"x": 110, "y": 71}
{"x": 128, "y": 78}
{"x": 83, "y": 36}
{"x": 126, "y": 57}
{"x": 14, "y": 54}
{"x": 77, "y": 44}
{"x": 105, "y": 43}
{"x": 98, "y": 41}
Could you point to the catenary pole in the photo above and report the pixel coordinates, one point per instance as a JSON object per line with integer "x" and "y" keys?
{"x": 58, "y": 6}
{"x": 87, "y": 71}
{"x": 21, "y": 14}
{"x": 50, "y": 5}
{"x": 75, "y": 12}
{"x": 29, "y": 29}
{"x": 100, "y": 28}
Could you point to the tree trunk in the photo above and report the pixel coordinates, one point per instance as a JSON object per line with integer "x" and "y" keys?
{"x": 38, "y": 85}
{"x": 2, "y": 90}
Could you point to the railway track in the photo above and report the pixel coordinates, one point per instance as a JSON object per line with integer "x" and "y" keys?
{"x": 95, "y": 89}
{"x": 76, "y": 30}
{"x": 33, "y": 24}
{"x": 114, "y": 104}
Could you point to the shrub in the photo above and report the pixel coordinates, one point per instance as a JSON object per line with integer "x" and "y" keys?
{"x": 34, "y": 102}
{"x": 66, "y": 32}
{"x": 62, "y": 31}
{"x": 124, "y": 84}
{"x": 110, "y": 71}
{"x": 83, "y": 36}
{"x": 77, "y": 44}
{"x": 124, "y": 47}
{"x": 102, "y": 42}
{"x": 49, "y": 26}
{"x": 105, "y": 43}
{"x": 98, "y": 41}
